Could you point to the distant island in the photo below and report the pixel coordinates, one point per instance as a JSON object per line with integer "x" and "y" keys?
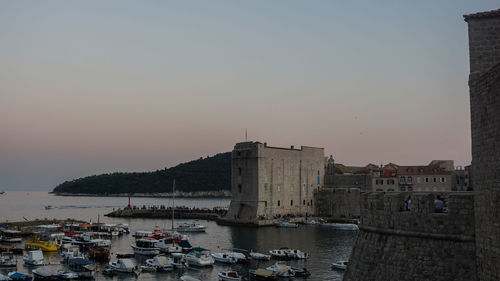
{"x": 204, "y": 177}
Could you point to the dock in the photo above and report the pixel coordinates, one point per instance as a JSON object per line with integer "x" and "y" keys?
{"x": 166, "y": 213}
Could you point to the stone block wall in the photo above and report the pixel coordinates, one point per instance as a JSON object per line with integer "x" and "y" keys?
{"x": 419, "y": 244}
{"x": 339, "y": 203}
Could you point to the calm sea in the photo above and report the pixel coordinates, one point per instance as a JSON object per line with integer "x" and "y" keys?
{"x": 323, "y": 245}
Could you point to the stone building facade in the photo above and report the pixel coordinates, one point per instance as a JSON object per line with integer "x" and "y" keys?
{"x": 484, "y": 84}
{"x": 271, "y": 182}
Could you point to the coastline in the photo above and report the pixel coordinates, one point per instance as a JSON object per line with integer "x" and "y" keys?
{"x": 198, "y": 194}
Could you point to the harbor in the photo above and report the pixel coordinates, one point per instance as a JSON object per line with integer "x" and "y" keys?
{"x": 323, "y": 244}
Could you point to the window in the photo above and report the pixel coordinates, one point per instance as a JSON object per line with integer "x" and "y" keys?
{"x": 291, "y": 202}
{"x": 401, "y": 179}
{"x": 238, "y": 153}
{"x": 418, "y": 179}
{"x": 434, "y": 179}
{"x": 304, "y": 202}
{"x": 239, "y": 171}
{"x": 426, "y": 179}
{"x": 239, "y": 188}
{"x": 381, "y": 181}
{"x": 409, "y": 180}
{"x": 265, "y": 203}
{"x": 311, "y": 202}
{"x": 403, "y": 188}
{"x": 376, "y": 182}
{"x": 443, "y": 179}
{"x": 278, "y": 202}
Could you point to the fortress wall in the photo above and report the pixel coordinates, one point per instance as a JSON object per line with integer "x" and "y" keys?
{"x": 414, "y": 245}
{"x": 337, "y": 203}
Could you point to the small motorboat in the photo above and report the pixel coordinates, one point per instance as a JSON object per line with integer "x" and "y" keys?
{"x": 34, "y": 258}
{"x": 48, "y": 207}
{"x": 146, "y": 246}
{"x": 7, "y": 259}
{"x": 263, "y": 274}
{"x": 48, "y": 273}
{"x": 167, "y": 245}
{"x": 311, "y": 222}
{"x": 199, "y": 257}
{"x": 142, "y": 233}
{"x": 259, "y": 256}
{"x": 295, "y": 254}
{"x": 279, "y": 253}
{"x": 178, "y": 261}
{"x": 300, "y": 272}
{"x": 11, "y": 236}
{"x": 123, "y": 265}
{"x": 224, "y": 258}
{"x": 286, "y": 224}
{"x": 229, "y": 276}
{"x": 191, "y": 227}
{"x": 189, "y": 278}
{"x": 37, "y": 244}
{"x": 8, "y": 248}
{"x": 82, "y": 267}
{"x": 69, "y": 251}
{"x": 160, "y": 263}
{"x": 16, "y": 276}
{"x": 342, "y": 265}
{"x": 282, "y": 270}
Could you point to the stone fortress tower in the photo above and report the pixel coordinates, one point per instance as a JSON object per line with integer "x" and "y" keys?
{"x": 267, "y": 182}
{"x": 484, "y": 84}
{"x": 463, "y": 244}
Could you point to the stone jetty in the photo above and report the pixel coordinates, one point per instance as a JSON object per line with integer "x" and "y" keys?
{"x": 161, "y": 212}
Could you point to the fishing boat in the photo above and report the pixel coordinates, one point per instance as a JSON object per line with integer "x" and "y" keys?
{"x": 341, "y": 226}
{"x": 160, "y": 263}
{"x": 199, "y": 257}
{"x": 82, "y": 267}
{"x": 191, "y": 227}
{"x": 146, "y": 247}
{"x": 11, "y": 236}
{"x": 259, "y": 256}
{"x": 229, "y": 276}
{"x": 34, "y": 258}
{"x": 286, "y": 224}
{"x": 7, "y": 259}
{"x": 295, "y": 254}
{"x": 178, "y": 260}
{"x": 224, "y": 258}
{"x": 37, "y": 244}
{"x": 16, "y": 276}
{"x": 263, "y": 274}
{"x": 282, "y": 270}
{"x": 123, "y": 265}
{"x": 342, "y": 265}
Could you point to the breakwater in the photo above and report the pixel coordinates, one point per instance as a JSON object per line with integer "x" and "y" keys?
{"x": 161, "y": 212}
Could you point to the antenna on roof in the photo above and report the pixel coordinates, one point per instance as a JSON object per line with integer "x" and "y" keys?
{"x": 246, "y": 135}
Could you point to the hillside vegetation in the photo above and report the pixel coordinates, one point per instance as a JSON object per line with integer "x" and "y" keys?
{"x": 204, "y": 174}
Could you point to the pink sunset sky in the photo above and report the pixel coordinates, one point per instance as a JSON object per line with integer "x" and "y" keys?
{"x": 90, "y": 87}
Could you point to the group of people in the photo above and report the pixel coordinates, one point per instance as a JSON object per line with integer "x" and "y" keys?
{"x": 439, "y": 205}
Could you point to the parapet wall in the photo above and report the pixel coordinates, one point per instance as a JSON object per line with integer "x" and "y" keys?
{"x": 394, "y": 244}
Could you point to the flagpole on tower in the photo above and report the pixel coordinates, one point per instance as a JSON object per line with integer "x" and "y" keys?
{"x": 246, "y": 135}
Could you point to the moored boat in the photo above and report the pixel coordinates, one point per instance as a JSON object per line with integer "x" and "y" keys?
{"x": 178, "y": 260}
{"x": 191, "y": 227}
{"x": 224, "y": 258}
{"x": 37, "y": 244}
{"x": 100, "y": 254}
{"x": 146, "y": 247}
{"x": 34, "y": 258}
{"x": 7, "y": 259}
{"x": 11, "y": 236}
{"x": 160, "y": 263}
{"x": 282, "y": 270}
{"x": 341, "y": 226}
{"x": 286, "y": 224}
{"x": 229, "y": 276}
{"x": 259, "y": 256}
{"x": 199, "y": 257}
{"x": 263, "y": 274}
{"x": 342, "y": 265}
{"x": 16, "y": 276}
{"x": 82, "y": 267}
{"x": 295, "y": 254}
{"x": 279, "y": 253}
{"x": 123, "y": 265}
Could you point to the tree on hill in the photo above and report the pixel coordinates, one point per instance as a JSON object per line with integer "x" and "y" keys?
{"x": 204, "y": 174}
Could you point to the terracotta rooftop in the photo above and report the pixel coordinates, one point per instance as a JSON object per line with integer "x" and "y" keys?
{"x": 487, "y": 14}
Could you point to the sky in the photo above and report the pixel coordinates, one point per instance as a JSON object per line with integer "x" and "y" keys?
{"x": 91, "y": 87}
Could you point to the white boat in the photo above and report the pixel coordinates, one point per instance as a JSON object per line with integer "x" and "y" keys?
{"x": 229, "y": 276}
{"x": 160, "y": 263}
{"x": 167, "y": 245}
{"x": 282, "y": 270}
{"x": 123, "y": 265}
{"x": 11, "y": 236}
{"x": 146, "y": 247}
{"x": 295, "y": 254}
{"x": 311, "y": 222}
{"x": 286, "y": 224}
{"x": 191, "y": 227}
{"x": 82, "y": 267}
{"x": 341, "y": 226}
{"x": 143, "y": 233}
{"x": 34, "y": 258}
{"x": 259, "y": 256}
{"x": 69, "y": 251}
{"x": 342, "y": 265}
{"x": 189, "y": 278}
{"x": 199, "y": 257}
{"x": 7, "y": 259}
{"x": 279, "y": 253}
{"x": 101, "y": 242}
{"x": 178, "y": 260}
{"x": 4, "y": 278}
{"x": 224, "y": 258}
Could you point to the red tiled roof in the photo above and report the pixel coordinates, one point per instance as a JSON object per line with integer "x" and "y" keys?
{"x": 487, "y": 14}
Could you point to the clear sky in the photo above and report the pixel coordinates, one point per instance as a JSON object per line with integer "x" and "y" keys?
{"x": 89, "y": 87}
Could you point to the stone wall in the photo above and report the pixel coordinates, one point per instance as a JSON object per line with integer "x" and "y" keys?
{"x": 419, "y": 244}
{"x": 484, "y": 83}
{"x": 339, "y": 203}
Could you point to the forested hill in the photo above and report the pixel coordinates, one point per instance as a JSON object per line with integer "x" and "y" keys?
{"x": 204, "y": 174}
